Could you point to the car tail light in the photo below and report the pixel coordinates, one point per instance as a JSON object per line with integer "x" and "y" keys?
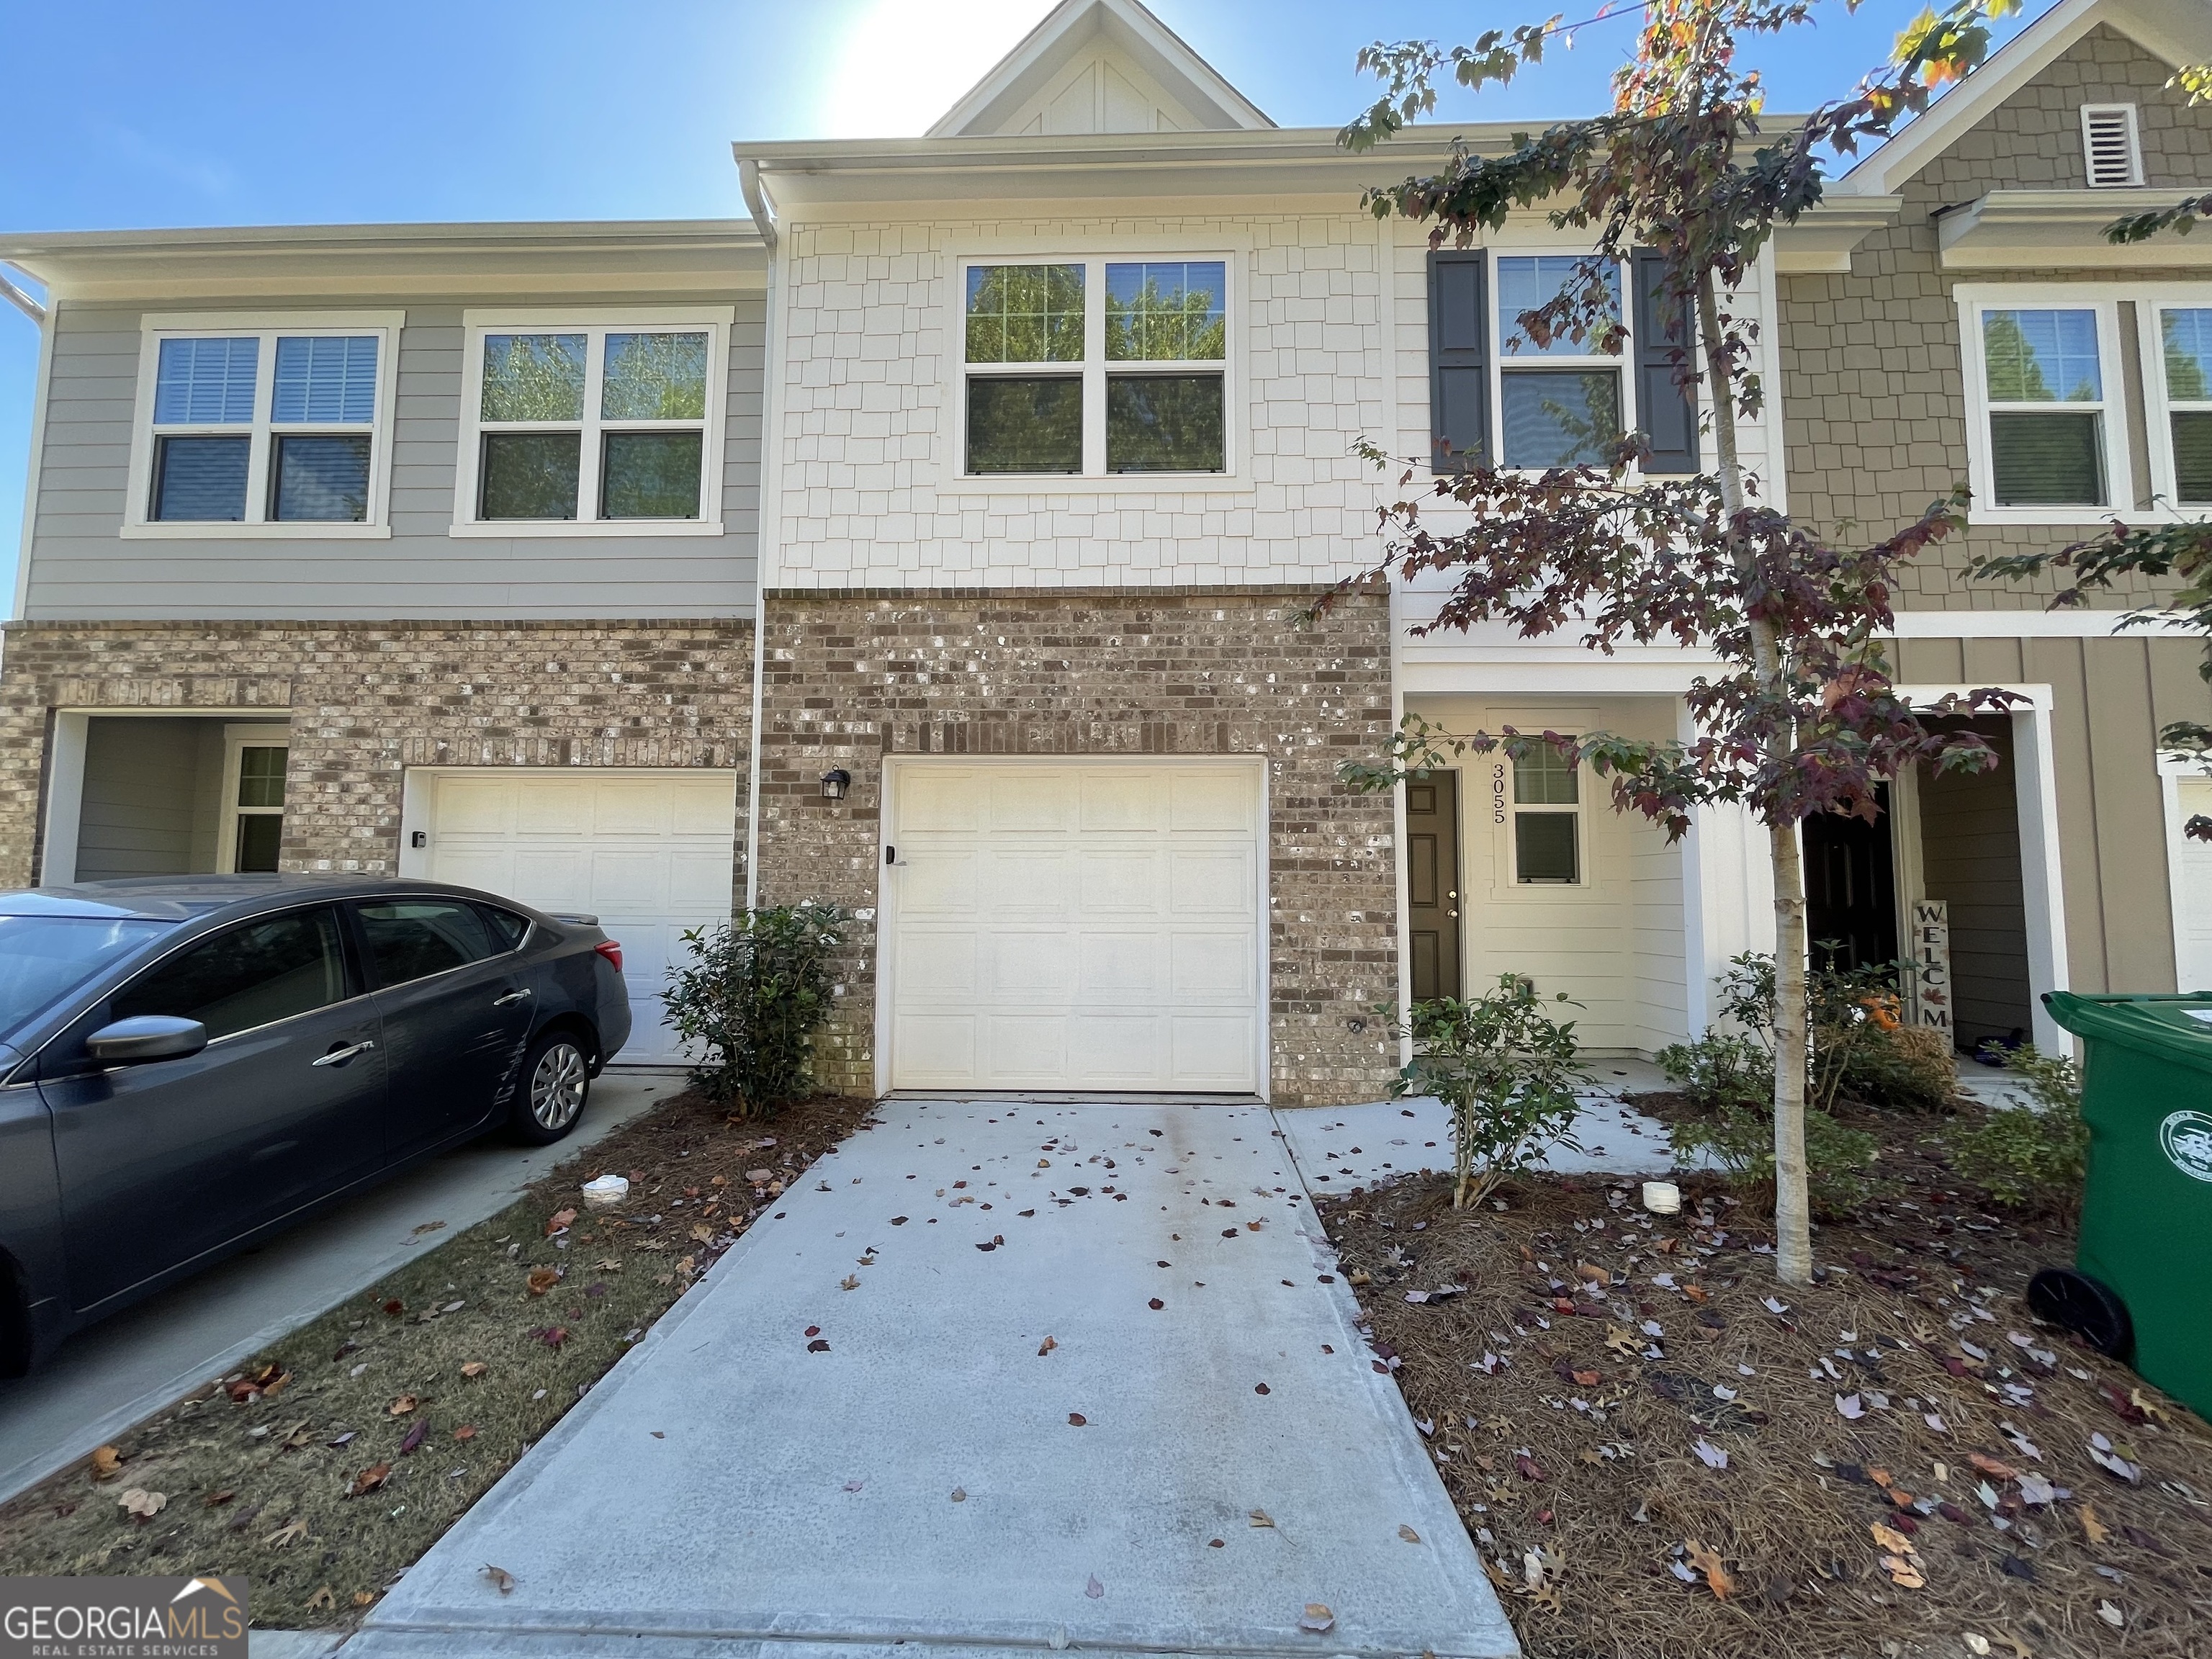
{"x": 611, "y": 951}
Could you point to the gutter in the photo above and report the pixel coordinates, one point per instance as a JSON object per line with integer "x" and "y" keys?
{"x": 21, "y": 297}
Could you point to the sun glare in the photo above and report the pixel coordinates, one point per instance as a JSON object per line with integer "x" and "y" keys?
{"x": 901, "y": 63}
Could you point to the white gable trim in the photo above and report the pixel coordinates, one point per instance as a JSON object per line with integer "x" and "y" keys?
{"x": 1185, "y": 81}
{"x": 2179, "y": 31}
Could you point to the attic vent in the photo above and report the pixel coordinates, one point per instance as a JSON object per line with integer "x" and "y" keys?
{"x": 2109, "y": 141}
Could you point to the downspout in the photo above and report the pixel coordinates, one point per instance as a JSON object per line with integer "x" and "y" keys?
{"x": 763, "y": 214}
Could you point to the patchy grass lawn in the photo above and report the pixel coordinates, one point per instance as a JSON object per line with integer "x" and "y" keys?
{"x": 1660, "y": 1452}
{"x": 331, "y": 1463}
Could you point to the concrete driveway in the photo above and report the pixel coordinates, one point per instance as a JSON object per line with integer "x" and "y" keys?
{"x": 995, "y": 1376}
{"x": 123, "y": 1370}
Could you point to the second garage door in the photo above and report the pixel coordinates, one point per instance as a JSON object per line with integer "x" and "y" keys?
{"x": 1089, "y": 927}
{"x": 649, "y": 852}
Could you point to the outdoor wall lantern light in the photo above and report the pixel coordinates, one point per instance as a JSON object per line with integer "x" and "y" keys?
{"x": 834, "y": 783}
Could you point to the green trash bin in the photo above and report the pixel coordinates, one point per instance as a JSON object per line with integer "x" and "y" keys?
{"x": 2142, "y": 1284}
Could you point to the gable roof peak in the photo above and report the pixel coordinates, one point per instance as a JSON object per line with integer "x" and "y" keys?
{"x": 1095, "y": 66}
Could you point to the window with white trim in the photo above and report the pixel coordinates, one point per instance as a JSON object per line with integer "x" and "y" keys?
{"x": 2179, "y": 341}
{"x": 1546, "y": 820}
{"x": 1095, "y": 368}
{"x": 263, "y": 427}
{"x": 2046, "y": 434}
{"x": 592, "y": 422}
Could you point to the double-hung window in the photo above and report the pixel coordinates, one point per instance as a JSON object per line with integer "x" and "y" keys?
{"x": 1499, "y": 397}
{"x": 2044, "y": 387}
{"x": 1547, "y": 820}
{"x": 1095, "y": 368}
{"x": 263, "y": 427}
{"x": 2181, "y": 443}
{"x": 592, "y": 422}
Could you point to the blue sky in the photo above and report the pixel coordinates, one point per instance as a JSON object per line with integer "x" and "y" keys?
{"x": 136, "y": 115}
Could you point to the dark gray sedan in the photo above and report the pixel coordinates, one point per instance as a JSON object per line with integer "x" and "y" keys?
{"x": 188, "y": 1063}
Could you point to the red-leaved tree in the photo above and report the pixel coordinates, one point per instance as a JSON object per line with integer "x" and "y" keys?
{"x": 1804, "y": 718}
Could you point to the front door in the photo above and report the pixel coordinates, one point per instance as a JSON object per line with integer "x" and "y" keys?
{"x": 456, "y": 1004}
{"x": 163, "y": 1162}
{"x": 1851, "y": 890}
{"x": 1433, "y": 884}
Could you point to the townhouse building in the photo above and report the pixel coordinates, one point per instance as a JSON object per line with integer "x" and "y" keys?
{"x": 940, "y": 543}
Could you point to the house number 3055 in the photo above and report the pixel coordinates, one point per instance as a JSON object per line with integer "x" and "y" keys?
{"x": 1498, "y": 792}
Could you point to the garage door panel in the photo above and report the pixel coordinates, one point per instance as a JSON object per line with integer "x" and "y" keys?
{"x": 938, "y": 800}
{"x": 650, "y": 852}
{"x": 1114, "y": 912}
{"x": 1029, "y": 968}
{"x": 1123, "y": 797}
{"x": 1026, "y": 883}
{"x": 1218, "y": 801}
{"x": 1212, "y": 968}
{"x": 1019, "y": 1049}
{"x": 1211, "y": 881}
{"x": 1115, "y": 882}
{"x": 1213, "y": 1050}
{"x": 943, "y": 965}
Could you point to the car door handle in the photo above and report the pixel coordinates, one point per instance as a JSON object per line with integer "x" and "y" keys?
{"x": 512, "y": 996}
{"x": 339, "y": 1056}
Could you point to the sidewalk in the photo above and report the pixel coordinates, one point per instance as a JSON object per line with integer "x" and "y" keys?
{"x": 838, "y": 1469}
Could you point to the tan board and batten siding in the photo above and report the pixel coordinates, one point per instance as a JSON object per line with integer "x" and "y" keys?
{"x": 83, "y": 570}
{"x": 1874, "y": 421}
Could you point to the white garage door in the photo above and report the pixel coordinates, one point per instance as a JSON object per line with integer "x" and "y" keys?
{"x": 649, "y": 852}
{"x": 2192, "y": 943}
{"x": 1082, "y": 927}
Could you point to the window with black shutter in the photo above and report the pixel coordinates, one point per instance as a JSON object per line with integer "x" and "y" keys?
{"x": 1667, "y": 410}
{"x": 1459, "y": 368}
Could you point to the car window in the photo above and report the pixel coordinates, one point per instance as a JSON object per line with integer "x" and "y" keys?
{"x": 43, "y": 957}
{"x": 413, "y": 939}
{"x": 247, "y": 975}
{"x": 506, "y": 927}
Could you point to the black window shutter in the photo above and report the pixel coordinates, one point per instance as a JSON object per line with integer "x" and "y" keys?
{"x": 1459, "y": 365}
{"x": 1667, "y": 412}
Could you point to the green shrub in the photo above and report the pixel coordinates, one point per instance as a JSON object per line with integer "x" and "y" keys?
{"x": 2035, "y": 1152}
{"x": 1904, "y": 1067}
{"x": 1838, "y": 1161}
{"x": 1509, "y": 1073}
{"x": 752, "y": 996}
{"x": 1720, "y": 1071}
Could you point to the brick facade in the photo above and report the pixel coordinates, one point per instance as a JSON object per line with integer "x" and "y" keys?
{"x": 853, "y": 677}
{"x": 367, "y": 700}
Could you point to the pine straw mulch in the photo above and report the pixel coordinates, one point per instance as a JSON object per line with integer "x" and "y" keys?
{"x": 1583, "y": 1385}
{"x": 325, "y": 1466}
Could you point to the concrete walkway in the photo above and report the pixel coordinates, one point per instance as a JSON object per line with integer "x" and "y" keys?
{"x": 1203, "y": 1448}
{"x": 123, "y": 1370}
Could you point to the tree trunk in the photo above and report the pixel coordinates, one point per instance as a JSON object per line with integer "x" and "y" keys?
{"x": 1793, "y": 1223}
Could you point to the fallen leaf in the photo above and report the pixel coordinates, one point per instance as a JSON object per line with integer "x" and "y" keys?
{"x": 217, "y": 1499}
{"x": 543, "y": 1280}
{"x": 1046, "y": 1348}
{"x": 107, "y": 1463}
{"x": 404, "y": 1404}
{"x": 1710, "y": 1455}
{"x": 1891, "y": 1539}
{"x": 501, "y": 1577}
{"x": 413, "y": 1438}
{"x": 1708, "y": 1562}
{"x": 1528, "y": 1467}
{"x": 141, "y": 1504}
{"x": 849, "y": 1282}
{"x": 370, "y": 1478}
{"x": 1259, "y": 1518}
{"x": 558, "y": 1221}
{"x": 2092, "y": 1528}
{"x": 1903, "y": 1573}
{"x": 1094, "y": 1589}
{"x": 325, "y": 1597}
{"x": 1586, "y": 1379}
{"x": 467, "y": 1431}
{"x": 1977, "y": 1644}
{"x": 475, "y": 1368}
{"x": 1409, "y": 1534}
{"x": 1317, "y": 1617}
{"x": 959, "y": 1494}
{"x": 818, "y": 1345}
{"x": 1077, "y": 1419}
{"x": 2111, "y": 1614}
{"x": 285, "y": 1536}
{"x": 362, "y": 1598}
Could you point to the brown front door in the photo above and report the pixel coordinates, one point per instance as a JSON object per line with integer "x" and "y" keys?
{"x": 1433, "y": 882}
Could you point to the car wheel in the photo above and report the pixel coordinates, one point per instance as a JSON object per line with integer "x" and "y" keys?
{"x": 556, "y": 1081}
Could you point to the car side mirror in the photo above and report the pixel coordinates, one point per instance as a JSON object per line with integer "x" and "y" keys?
{"x": 145, "y": 1036}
